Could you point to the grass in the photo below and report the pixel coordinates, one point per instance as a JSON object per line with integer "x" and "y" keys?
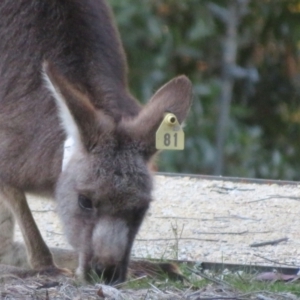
{"x": 198, "y": 284}
{"x": 248, "y": 285}
{"x": 239, "y": 285}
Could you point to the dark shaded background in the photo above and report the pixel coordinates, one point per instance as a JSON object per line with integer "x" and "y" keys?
{"x": 243, "y": 59}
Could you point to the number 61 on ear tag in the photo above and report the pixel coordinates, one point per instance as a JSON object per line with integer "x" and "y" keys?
{"x": 169, "y": 135}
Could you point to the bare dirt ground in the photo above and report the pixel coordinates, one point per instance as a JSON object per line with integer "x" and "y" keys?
{"x": 208, "y": 220}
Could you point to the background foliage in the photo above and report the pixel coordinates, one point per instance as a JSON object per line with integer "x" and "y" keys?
{"x": 165, "y": 38}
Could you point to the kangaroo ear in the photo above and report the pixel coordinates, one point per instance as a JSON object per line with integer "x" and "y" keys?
{"x": 174, "y": 97}
{"x": 80, "y": 119}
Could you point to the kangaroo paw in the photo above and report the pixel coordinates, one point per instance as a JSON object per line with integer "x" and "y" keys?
{"x": 6, "y": 271}
{"x": 139, "y": 268}
{"x": 55, "y": 271}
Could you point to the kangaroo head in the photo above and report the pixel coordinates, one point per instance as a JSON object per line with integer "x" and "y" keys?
{"x": 105, "y": 188}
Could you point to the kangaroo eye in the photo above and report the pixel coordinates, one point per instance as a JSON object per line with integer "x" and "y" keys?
{"x": 85, "y": 203}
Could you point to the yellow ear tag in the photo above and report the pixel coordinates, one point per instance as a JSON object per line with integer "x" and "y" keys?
{"x": 169, "y": 135}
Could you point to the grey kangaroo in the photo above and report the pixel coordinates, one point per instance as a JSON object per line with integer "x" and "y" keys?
{"x": 63, "y": 77}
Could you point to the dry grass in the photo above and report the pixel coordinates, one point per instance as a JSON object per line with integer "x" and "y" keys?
{"x": 195, "y": 286}
{"x": 54, "y": 288}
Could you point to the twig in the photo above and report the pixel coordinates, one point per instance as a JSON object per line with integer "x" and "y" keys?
{"x": 177, "y": 238}
{"x": 53, "y": 232}
{"x": 274, "y": 242}
{"x": 42, "y": 211}
{"x": 185, "y": 218}
{"x": 156, "y": 288}
{"x": 231, "y": 233}
{"x": 246, "y": 295}
{"x": 274, "y": 197}
{"x": 221, "y": 298}
{"x": 275, "y": 262}
{"x": 130, "y": 281}
{"x": 209, "y": 278}
{"x": 237, "y": 217}
{"x": 219, "y": 192}
{"x": 174, "y": 239}
{"x": 262, "y": 297}
{"x": 238, "y": 233}
{"x": 232, "y": 189}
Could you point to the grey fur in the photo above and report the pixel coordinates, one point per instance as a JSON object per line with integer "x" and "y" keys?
{"x": 107, "y": 177}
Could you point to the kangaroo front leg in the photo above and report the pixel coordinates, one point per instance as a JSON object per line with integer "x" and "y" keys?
{"x": 10, "y": 253}
{"x": 63, "y": 258}
{"x": 14, "y": 253}
{"x": 39, "y": 255}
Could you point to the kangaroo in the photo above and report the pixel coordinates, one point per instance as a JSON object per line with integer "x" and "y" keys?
{"x": 63, "y": 84}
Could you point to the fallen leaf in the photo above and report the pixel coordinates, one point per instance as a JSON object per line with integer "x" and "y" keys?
{"x": 272, "y": 276}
